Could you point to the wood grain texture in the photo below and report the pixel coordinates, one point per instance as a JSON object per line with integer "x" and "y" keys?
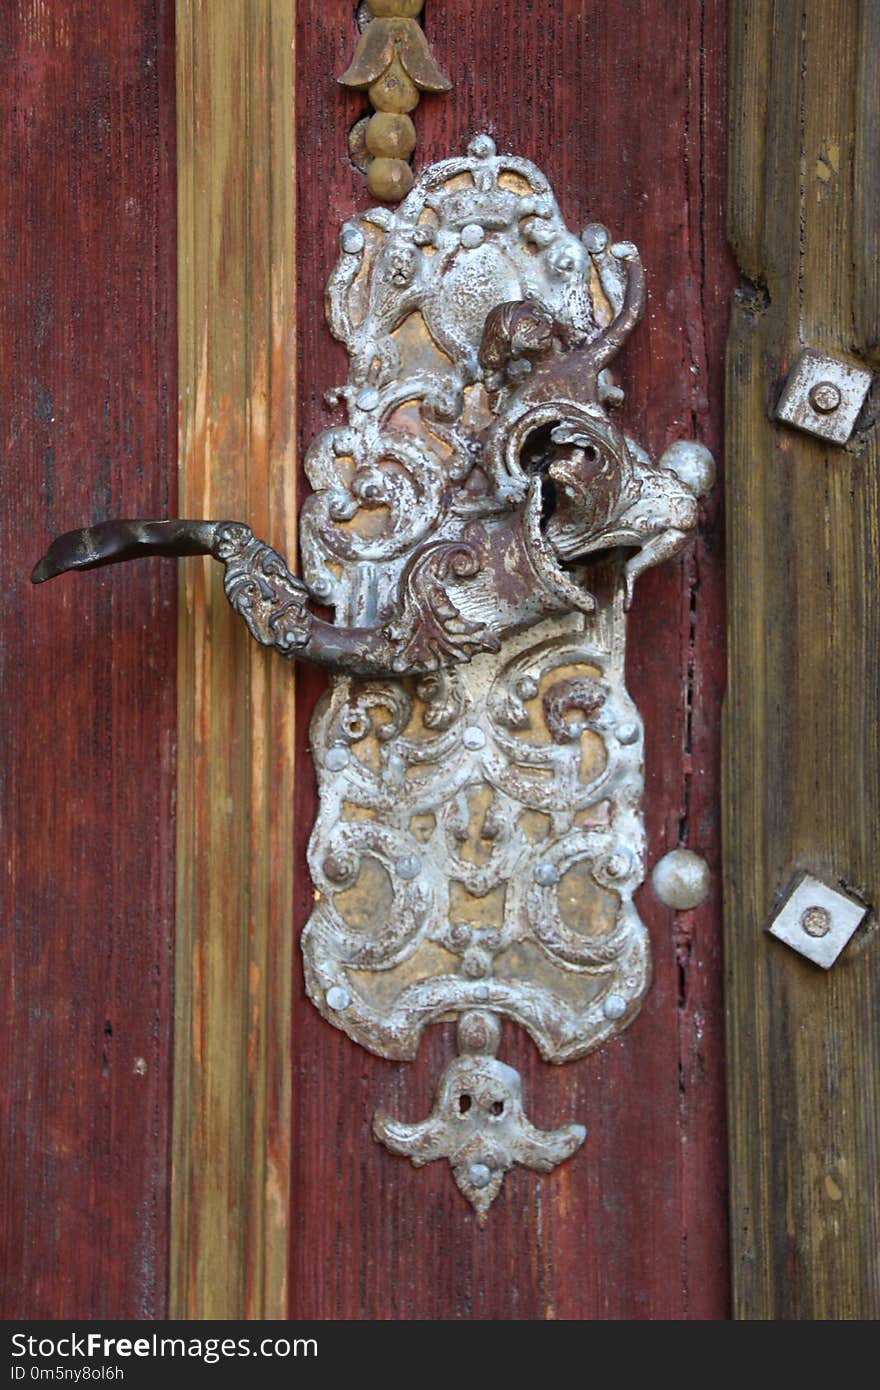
{"x": 88, "y": 422}
{"x": 802, "y": 758}
{"x": 236, "y": 710}
{"x": 623, "y": 108}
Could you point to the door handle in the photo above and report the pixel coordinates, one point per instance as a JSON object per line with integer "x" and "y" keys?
{"x": 477, "y": 524}
{"x": 561, "y": 482}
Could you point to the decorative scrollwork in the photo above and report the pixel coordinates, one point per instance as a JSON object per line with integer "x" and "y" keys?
{"x": 261, "y": 589}
{"x": 431, "y": 630}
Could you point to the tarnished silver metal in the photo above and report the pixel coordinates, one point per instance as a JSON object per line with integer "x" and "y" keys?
{"x": 817, "y": 921}
{"x": 477, "y": 524}
{"x": 681, "y": 879}
{"x": 478, "y": 466}
{"x": 823, "y": 395}
{"x": 479, "y": 1125}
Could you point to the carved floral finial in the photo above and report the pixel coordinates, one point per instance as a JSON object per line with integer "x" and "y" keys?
{"x": 393, "y": 64}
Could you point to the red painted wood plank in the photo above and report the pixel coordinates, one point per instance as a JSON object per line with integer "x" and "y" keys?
{"x": 622, "y": 105}
{"x": 88, "y": 428}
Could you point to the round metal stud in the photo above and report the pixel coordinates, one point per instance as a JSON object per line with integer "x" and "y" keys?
{"x": 816, "y": 921}
{"x": 681, "y": 879}
{"x": 472, "y": 235}
{"x": 618, "y": 863}
{"x": 614, "y": 1006}
{"x": 692, "y": 463}
{"x": 408, "y": 866}
{"x": 335, "y": 869}
{"x": 476, "y": 963}
{"x": 337, "y": 998}
{"x": 352, "y": 241}
{"x": 473, "y": 738}
{"x": 627, "y": 733}
{"x": 337, "y": 757}
{"x": 479, "y": 1175}
{"x": 546, "y": 875}
{"x": 825, "y": 397}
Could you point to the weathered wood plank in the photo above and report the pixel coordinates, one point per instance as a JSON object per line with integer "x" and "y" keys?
{"x": 88, "y": 425}
{"x": 623, "y": 107}
{"x": 801, "y": 727}
{"x": 236, "y": 711}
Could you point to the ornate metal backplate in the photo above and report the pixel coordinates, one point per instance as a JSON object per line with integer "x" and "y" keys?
{"x": 479, "y": 838}
{"x": 477, "y": 525}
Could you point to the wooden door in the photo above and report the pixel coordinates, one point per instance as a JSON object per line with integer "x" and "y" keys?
{"x": 628, "y": 125}
{"x": 213, "y": 1157}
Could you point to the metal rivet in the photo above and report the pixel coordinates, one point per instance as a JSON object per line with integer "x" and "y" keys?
{"x": 618, "y": 864}
{"x": 479, "y": 1175}
{"x": 824, "y": 397}
{"x": 546, "y": 875}
{"x": 337, "y": 998}
{"x": 472, "y": 737}
{"x": 816, "y": 921}
{"x": 472, "y": 235}
{"x": 614, "y": 1006}
{"x": 336, "y": 758}
{"x": 692, "y": 463}
{"x": 627, "y": 733}
{"x": 475, "y": 964}
{"x": 352, "y": 241}
{"x": 368, "y": 399}
{"x": 681, "y": 879}
{"x": 408, "y": 866}
{"x": 482, "y": 993}
{"x": 459, "y": 933}
{"x": 526, "y": 688}
{"x": 335, "y": 869}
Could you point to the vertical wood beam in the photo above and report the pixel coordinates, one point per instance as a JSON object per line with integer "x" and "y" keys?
{"x": 802, "y": 761}
{"x": 231, "y": 1127}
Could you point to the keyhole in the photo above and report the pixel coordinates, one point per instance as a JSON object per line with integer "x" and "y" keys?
{"x": 464, "y": 1104}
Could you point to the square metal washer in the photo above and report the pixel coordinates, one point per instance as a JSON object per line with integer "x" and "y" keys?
{"x": 817, "y": 374}
{"x": 817, "y": 921}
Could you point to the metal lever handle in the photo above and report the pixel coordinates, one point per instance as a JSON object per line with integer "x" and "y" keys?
{"x": 569, "y": 482}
